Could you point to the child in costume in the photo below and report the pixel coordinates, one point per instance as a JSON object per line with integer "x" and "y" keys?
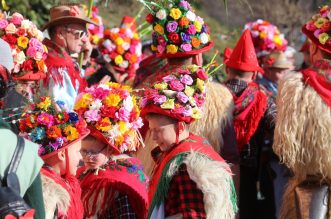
{"x": 114, "y": 184}
{"x": 190, "y": 180}
{"x": 59, "y": 135}
{"x": 302, "y": 132}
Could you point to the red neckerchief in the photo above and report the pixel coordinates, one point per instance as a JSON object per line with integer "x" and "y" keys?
{"x": 59, "y": 58}
{"x": 250, "y": 107}
{"x": 71, "y": 185}
{"x": 124, "y": 175}
{"x": 192, "y": 143}
{"x": 319, "y": 77}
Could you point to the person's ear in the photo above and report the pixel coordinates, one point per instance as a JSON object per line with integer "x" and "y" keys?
{"x": 61, "y": 155}
{"x": 181, "y": 127}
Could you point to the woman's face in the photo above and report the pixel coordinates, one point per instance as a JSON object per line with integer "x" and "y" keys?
{"x": 94, "y": 152}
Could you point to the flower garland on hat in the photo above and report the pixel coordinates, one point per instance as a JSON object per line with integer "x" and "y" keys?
{"x": 180, "y": 94}
{"x": 25, "y": 39}
{"x": 266, "y": 37}
{"x": 122, "y": 48}
{"x": 51, "y": 129}
{"x": 177, "y": 28}
{"x": 114, "y": 112}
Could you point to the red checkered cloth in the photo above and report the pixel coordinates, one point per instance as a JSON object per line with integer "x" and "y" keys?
{"x": 184, "y": 197}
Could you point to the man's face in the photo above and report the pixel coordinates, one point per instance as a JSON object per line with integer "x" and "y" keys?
{"x": 94, "y": 153}
{"x": 275, "y": 74}
{"x": 27, "y": 88}
{"x": 75, "y": 36}
{"x": 163, "y": 132}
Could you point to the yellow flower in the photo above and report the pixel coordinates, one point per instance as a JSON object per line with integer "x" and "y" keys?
{"x": 201, "y": 85}
{"x": 136, "y": 36}
{"x": 169, "y": 104}
{"x": 172, "y": 49}
{"x": 118, "y": 59}
{"x": 196, "y": 113}
{"x": 175, "y": 13}
{"x": 127, "y": 87}
{"x": 104, "y": 125}
{"x": 193, "y": 68}
{"x": 263, "y": 35}
{"x": 323, "y": 38}
{"x": 119, "y": 140}
{"x": 22, "y": 42}
{"x": 113, "y": 85}
{"x": 71, "y": 133}
{"x": 122, "y": 127}
{"x": 45, "y": 104}
{"x": 189, "y": 91}
{"x": 119, "y": 41}
{"x": 198, "y": 26}
{"x": 154, "y": 48}
{"x": 320, "y": 21}
{"x": 277, "y": 40}
{"x": 95, "y": 39}
{"x": 161, "y": 86}
{"x": 112, "y": 100}
{"x": 158, "y": 28}
{"x": 84, "y": 101}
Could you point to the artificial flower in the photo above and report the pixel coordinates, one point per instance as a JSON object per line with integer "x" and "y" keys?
{"x": 159, "y": 29}
{"x": 175, "y": 13}
{"x": 161, "y": 14}
{"x": 200, "y": 85}
{"x": 195, "y": 42}
{"x": 45, "y": 103}
{"x": 104, "y": 124}
{"x": 323, "y": 38}
{"x": 189, "y": 91}
{"x": 71, "y": 133}
{"x": 172, "y": 49}
{"x": 169, "y": 104}
{"x": 112, "y": 100}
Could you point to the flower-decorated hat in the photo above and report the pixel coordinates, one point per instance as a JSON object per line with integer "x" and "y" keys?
{"x": 112, "y": 115}
{"x": 277, "y": 60}
{"x": 178, "y": 31}
{"x": 52, "y": 130}
{"x": 25, "y": 41}
{"x": 121, "y": 47}
{"x": 179, "y": 95}
{"x": 318, "y": 29}
{"x": 266, "y": 37}
{"x": 67, "y": 14}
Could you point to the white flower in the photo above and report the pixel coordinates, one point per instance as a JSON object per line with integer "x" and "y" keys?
{"x": 115, "y": 30}
{"x": 96, "y": 105}
{"x": 113, "y": 133}
{"x": 39, "y": 35}
{"x": 161, "y": 14}
{"x": 200, "y": 19}
{"x": 191, "y": 16}
{"x": 138, "y": 124}
{"x": 170, "y": 93}
{"x": 129, "y": 33}
{"x": 108, "y": 45}
{"x": 204, "y": 38}
{"x": 126, "y": 46}
{"x": 26, "y": 24}
{"x": 19, "y": 58}
{"x": 124, "y": 64}
{"x": 128, "y": 104}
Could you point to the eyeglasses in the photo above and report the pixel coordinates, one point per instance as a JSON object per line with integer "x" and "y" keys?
{"x": 79, "y": 34}
{"x": 91, "y": 154}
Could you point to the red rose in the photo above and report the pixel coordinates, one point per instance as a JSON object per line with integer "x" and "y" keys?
{"x": 174, "y": 37}
{"x": 108, "y": 111}
{"x": 27, "y": 65}
{"x": 176, "y": 85}
{"x": 21, "y": 32}
{"x": 113, "y": 55}
{"x": 202, "y": 74}
{"x": 10, "y": 39}
{"x": 127, "y": 56}
{"x": 150, "y": 18}
{"x": 326, "y": 27}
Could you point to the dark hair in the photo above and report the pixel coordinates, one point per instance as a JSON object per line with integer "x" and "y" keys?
{"x": 52, "y": 31}
{"x": 239, "y": 73}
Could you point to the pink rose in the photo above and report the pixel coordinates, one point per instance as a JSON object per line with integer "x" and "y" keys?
{"x": 187, "y": 111}
{"x": 186, "y": 79}
{"x": 169, "y": 78}
{"x": 36, "y": 44}
{"x": 202, "y": 74}
{"x": 317, "y": 33}
{"x": 3, "y": 23}
{"x": 162, "y": 41}
{"x": 100, "y": 93}
{"x": 178, "y": 110}
{"x": 182, "y": 97}
{"x": 160, "y": 99}
{"x": 17, "y": 19}
{"x": 123, "y": 114}
{"x": 31, "y": 52}
{"x": 160, "y": 49}
{"x": 176, "y": 85}
{"x": 186, "y": 47}
{"x": 199, "y": 100}
{"x": 191, "y": 30}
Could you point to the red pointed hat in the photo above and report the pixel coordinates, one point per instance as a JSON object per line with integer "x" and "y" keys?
{"x": 227, "y": 54}
{"x": 243, "y": 56}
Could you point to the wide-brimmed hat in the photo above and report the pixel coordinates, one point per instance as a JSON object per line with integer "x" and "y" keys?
{"x": 66, "y": 14}
{"x": 277, "y": 60}
{"x": 318, "y": 29}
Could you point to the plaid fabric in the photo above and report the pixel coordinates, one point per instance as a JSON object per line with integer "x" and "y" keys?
{"x": 184, "y": 197}
{"x": 121, "y": 209}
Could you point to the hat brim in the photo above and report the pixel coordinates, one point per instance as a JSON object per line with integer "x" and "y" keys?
{"x": 155, "y": 109}
{"x": 46, "y": 156}
{"x": 187, "y": 54}
{"x": 67, "y": 20}
{"x": 311, "y": 36}
{"x": 99, "y": 136}
{"x": 30, "y": 76}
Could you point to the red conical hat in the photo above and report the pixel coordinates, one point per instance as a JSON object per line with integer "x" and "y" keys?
{"x": 227, "y": 54}
{"x": 243, "y": 56}
{"x": 128, "y": 21}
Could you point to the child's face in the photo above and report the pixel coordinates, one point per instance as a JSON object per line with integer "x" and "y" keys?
{"x": 94, "y": 153}
{"x": 163, "y": 131}
{"x": 74, "y": 156}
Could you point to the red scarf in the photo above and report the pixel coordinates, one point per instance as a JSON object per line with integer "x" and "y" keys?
{"x": 125, "y": 176}
{"x": 192, "y": 143}
{"x": 319, "y": 78}
{"x": 250, "y": 107}
{"x": 71, "y": 185}
{"x": 59, "y": 58}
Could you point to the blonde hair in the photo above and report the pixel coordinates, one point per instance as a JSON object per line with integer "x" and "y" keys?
{"x": 302, "y": 136}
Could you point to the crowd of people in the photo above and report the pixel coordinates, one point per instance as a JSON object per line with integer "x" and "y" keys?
{"x": 95, "y": 123}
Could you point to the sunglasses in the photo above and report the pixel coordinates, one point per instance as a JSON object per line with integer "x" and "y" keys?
{"x": 79, "y": 34}
{"x": 91, "y": 154}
